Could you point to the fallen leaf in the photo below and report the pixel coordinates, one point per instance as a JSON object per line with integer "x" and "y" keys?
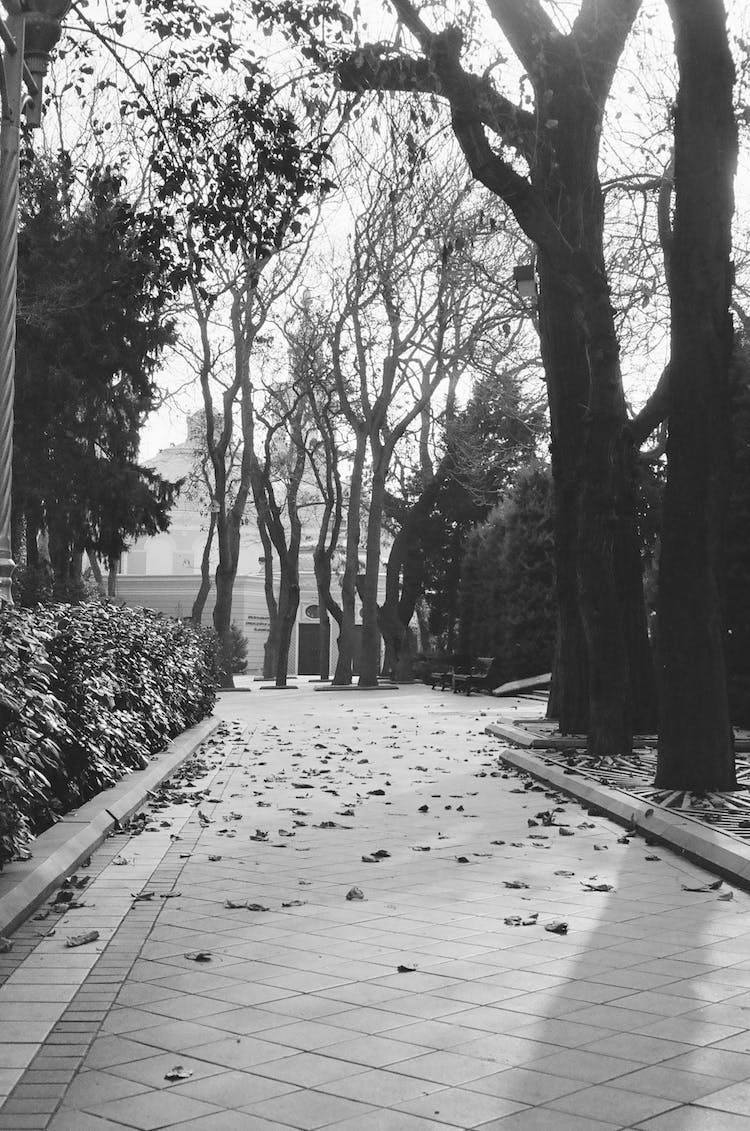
{"x": 652, "y": 857}
{"x": 565, "y": 831}
{"x": 294, "y": 902}
{"x": 605, "y": 848}
{"x": 522, "y": 920}
{"x": 369, "y": 860}
{"x": 405, "y": 969}
{"x": 557, "y": 927}
{"x": 713, "y": 886}
{"x": 355, "y": 893}
{"x": 726, "y": 896}
{"x": 5, "y": 944}
{"x": 423, "y": 809}
{"x": 199, "y": 955}
{"x": 514, "y": 884}
{"x": 381, "y": 854}
{"x": 178, "y": 1073}
{"x": 562, "y": 872}
{"x": 81, "y": 940}
{"x": 214, "y": 859}
{"x": 597, "y": 887}
{"x": 421, "y": 848}
{"x": 138, "y": 896}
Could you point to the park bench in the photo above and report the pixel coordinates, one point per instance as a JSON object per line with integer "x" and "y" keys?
{"x": 445, "y": 673}
{"x": 483, "y": 675}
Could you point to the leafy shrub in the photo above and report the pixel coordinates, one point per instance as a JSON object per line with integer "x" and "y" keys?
{"x": 87, "y": 693}
{"x": 239, "y": 649}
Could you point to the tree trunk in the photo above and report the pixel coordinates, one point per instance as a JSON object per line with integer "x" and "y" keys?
{"x": 567, "y": 390}
{"x": 204, "y": 588}
{"x": 288, "y": 605}
{"x": 343, "y": 674}
{"x": 226, "y": 572}
{"x": 324, "y": 637}
{"x": 370, "y": 665}
{"x": 404, "y": 582}
{"x": 603, "y": 677}
{"x": 695, "y": 735}
{"x": 112, "y": 580}
{"x": 96, "y": 572}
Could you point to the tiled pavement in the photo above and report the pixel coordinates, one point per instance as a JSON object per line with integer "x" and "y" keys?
{"x": 299, "y": 1017}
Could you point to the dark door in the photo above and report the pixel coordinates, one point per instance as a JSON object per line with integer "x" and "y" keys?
{"x": 308, "y": 662}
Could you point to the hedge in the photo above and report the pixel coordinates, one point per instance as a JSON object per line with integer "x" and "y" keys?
{"x": 88, "y": 693}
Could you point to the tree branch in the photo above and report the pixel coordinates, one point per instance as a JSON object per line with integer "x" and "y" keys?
{"x": 654, "y": 412}
{"x": 529, "y": 30}
{"x": 380, "y": 67}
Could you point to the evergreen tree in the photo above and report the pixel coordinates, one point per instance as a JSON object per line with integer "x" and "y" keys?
{"x": 506, "y": 600}
{"x": 488, "y": 442}
{"x": 90, "y": 329}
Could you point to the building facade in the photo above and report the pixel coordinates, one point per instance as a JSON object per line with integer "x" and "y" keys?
{"x": 163, "y": 571}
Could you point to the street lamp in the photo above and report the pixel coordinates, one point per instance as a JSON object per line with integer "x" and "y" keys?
{"x": 525, "y": 280}
{"x": 28, "y": 34}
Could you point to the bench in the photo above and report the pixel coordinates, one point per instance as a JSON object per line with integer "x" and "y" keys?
{"x": 483, "y": 675}
{"x": 446, "y": 672}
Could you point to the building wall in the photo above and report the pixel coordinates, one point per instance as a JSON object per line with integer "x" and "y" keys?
{"x": 173, "y": 595}
{"x": 163, "y": 572}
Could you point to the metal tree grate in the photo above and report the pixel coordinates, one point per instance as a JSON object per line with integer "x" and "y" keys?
{"x": 728, "y": 812}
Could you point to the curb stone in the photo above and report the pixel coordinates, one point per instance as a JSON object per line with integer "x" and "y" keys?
{"x": 25, "y": 884}
{"x": 719, "y": 852}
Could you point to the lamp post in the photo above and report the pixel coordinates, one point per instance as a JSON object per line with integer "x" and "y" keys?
{"x": 29, "y": 33}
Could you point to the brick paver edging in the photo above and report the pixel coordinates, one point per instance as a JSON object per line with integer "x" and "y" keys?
{"x": 717, "y": 851}
{"x": 24, "y": 885}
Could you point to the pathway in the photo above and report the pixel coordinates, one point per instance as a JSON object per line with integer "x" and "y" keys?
{"x": 419, "y": 1007}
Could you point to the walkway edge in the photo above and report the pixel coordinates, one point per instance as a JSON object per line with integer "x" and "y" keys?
{"x": 717, "y": 851}
{"x": 25, "y": 884}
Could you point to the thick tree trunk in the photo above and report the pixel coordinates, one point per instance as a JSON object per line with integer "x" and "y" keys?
{"x": 566, "y": 371}
{"x": 695, "y": 735}
{"x": 112, "y": 580}
{"x": 603, "y": 677}
{"x": 370, "y": 664}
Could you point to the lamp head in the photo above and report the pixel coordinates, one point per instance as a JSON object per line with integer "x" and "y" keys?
{"x": 42, "y": 29}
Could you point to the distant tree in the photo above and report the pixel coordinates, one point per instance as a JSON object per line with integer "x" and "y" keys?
{"x": 487, "y": 443}
{"x": 90, "y": 330}
{"x": 507, "y": 606}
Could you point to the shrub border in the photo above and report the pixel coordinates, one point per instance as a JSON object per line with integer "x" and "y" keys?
{"x": 25, "y": 884}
